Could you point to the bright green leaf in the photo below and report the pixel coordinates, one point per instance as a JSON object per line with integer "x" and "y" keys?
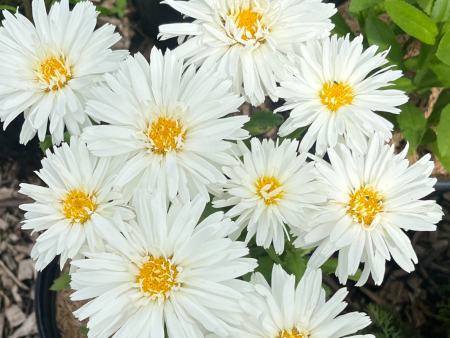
{"x": 412, "y": 124}
{"x": 442, "y": 72}
{"x": 412, "y": 63}
{"x": 295, "y": 134}
{"x": 121, "y": 4}
{"x": 426, "y": 5}
{"x": 412, "y": 21}
{"x": 428, "y": 138}
{"x": 272, "y": 254}
{"x": 442, "y": 101}
{"x": 296, "y": 264}
{"x": 47, "y": 143}
{"x": 106, "y": 11}
{"x": 441, "y": 11}
{"x": 340, "y": 26}
{"x": 84, "y": 330}
{"x": 9, "y": 8}
{"x": 443, "y": 51}
{"x": 359, "y": 5}
{"x": 444, "y": 160}
{"x": 263, "y": 121}
{"x": 63, "y": 282}
{"x": 378, "y": 33}
{"x": 404, "y": 84}
{"x": 329, "y": 266}
{"x": 443, "y": 132}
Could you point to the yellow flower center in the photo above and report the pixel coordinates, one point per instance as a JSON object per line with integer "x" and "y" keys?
{"x": 165, "y": 135}
{"x": 78, "y": 207}
{"x": 54, "y": 72}
{"x": 157, "y": 276}
{"x": 269, "y": 189}
{"x": 335, "y": 95}
{"x": 364, "y": 205}
{"x": 293, "y": 334}
{"x": 248, "y": 20}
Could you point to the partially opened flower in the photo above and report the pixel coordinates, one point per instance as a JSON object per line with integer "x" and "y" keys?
{"x": 46, "y": 69}
{"x": 248, "y": 40}
{"x": 336, "y": 91}
{"x": 272, "y": 187}
{"x": 372, "y": 197}
{"x": 171, "y": 125}
{"x": 288, "y": 311}
{"x": 165, "y": 273}
{"x": 78, "y": 205}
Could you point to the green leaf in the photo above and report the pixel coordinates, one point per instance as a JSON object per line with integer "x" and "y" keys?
{"x": 9, "y": 8}
{"x": 106, "y": 11}
{"x": 63, "y": 282}
{"x": 442, "y": 101}
{"x": 443, "y": 51}
{"x": 378, "y": 33}
{"x": 444, "y": 160}
{"x": 263, "y": 121}
{"x": 391, "y": 118}
{"x": 272, "y": 254}
{"x": 67, "y": 137}
{"x": 265, "y": 265}
{"x": 412, "y": 63}
{"x": 84, "y": 330}
{"x": 412, "y": 21}
{"x": 121, "y": 5}
{"x": 47, "y": 143}
{"x": 209, "y": 210}
{"x": 329, "y": 266}
{"x": 340, "y": 26}
{"x": 359, "y": 5}
{"x": 296, "y": 264}
{"x": 356, "y": 276}
{"x": 442, "y": 72}
{"x": 412, "y": 124}
{"x": 327, "y": 289}
{"x": 426, "y": 5}
{"x": 443, "y": 132}
{"x": 441, "y": 11}
{"x": 404, "y": 84}
{"x": 295, "y": 134}
{"x": 428, "y": 138}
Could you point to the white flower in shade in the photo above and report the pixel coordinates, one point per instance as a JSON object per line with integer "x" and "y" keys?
{"x": 273, "y": 186}
{"x": 334, "y": 93}
{"x": 46, "y": 69}
{"x": 166, "y": 273}
{"x": 287, "y": 311}
{"x": 76, "y": 207}
{"x": 171, "y": 125}
{"x": 248, "y": 40}
{"x": 372, "y": 197}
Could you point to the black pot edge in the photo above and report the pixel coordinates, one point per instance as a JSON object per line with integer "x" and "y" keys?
{"x": 45, "y": 301}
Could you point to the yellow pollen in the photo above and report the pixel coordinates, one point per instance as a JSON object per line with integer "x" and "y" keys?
{"x": 165, "y": 134}
{"x": 157, "y": 276}
{"x": 294, "y": 334}
{"x": 249, "y": 20}
{"x": 54, "y": 71}
{"x": 78, "y": 207}
{"x": 335, "y": 95}
{"x": 364, "y": 205}
{"x": 265, "y": 186}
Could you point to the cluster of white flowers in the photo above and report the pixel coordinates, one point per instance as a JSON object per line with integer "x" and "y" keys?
{"x": 151, "y": 142}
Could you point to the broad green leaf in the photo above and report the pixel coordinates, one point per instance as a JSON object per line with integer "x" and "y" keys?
{"x": 444, "y": 160}
{"x": 63, "y": 282}
{"x": 441, "y": 11}
{"x": 412, "y": 21}
{"x": 442, "y": 101}
{"x": 412, "y": 124}
{"x": 378, "y": 33}
{"x": 47, "y": 143}
{"x": 84, "y": 330}
{"x": 340, "y": 26}
{"x": 404, "y": 84}
{"x": 265, "y": 265}
{"x": 295, "y": 134}
{"x": 426, "y": 5}
{"x": 9, "y": 8}
{"x": 390, "y": 117}
{"x": 412, "y": 63}
{"x": 263, "y": 121}
{"x": 428, "y": 138}
{"x": 443, "y": 51}
{"x": 443, "y": 132}
{"x": 296, "y": 264}
{"x": 427, "y": 53}
{"x": 359, "y": 5}
{"x": 272, "y": 254}
{"x": 442, "y": 72}
{"x": 329, "y": 266}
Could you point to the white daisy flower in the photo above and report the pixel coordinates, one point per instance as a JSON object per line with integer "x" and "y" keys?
{"x": 273, "y": 186}
{"x": 372, "y": 197}
{"x": 77, "y": 206}
{"x": 47, "y": 68}
{"x": 248, "y": 40}
{"x": 171, "y": 125}
{"x": 167, "y": 273}
{"x": 334, "y": 94}
{"x": 287, "y": 311}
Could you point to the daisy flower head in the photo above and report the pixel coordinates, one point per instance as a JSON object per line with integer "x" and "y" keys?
{"x": 78, "y": 205}
{"x": 335, "y": 92}
{"x": 164, "y": 273}
{"x": 170, "y": 124}
{"x": 248, "y": 40}
{"x": 372, "y": 197}
{"x": 272, "y": 186}
{"x": 47, "y": 68}
{"x": 285, "y": 310}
